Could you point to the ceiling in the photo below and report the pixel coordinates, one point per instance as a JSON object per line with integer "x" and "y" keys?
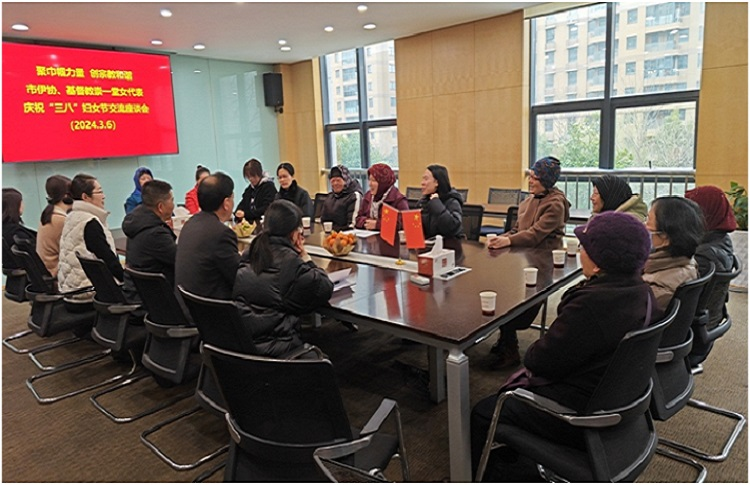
{"x": 240, "y": 31}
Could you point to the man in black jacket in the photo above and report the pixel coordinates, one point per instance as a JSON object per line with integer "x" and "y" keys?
{"x": 151, "y": 241}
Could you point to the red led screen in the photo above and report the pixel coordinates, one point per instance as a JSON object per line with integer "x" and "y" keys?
{"x": 62, "y": 103}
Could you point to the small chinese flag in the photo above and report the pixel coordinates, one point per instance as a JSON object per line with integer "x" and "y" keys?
{"x": 413, "y": 228}
{"x": 388, "y": 221}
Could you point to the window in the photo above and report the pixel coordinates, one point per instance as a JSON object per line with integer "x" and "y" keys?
{"x": 572, "y": 32}
{"x": 361, "y": 130}
{"x": 572, "y": 55}
{"x": 338, "y": 90}
{"x": 550, "y": 35}
{"x": 549, "y": 59}
{"x": 605, "y": 121}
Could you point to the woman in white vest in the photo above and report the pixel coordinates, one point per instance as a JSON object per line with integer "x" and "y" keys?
{"x": 86, "y": 231}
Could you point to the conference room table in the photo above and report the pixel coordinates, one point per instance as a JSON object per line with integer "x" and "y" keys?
{"x": 445, "y": 315}
{"x": 577, "y": 216}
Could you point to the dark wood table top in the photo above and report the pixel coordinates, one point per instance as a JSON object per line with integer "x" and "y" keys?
{"x": 577, "y": 216}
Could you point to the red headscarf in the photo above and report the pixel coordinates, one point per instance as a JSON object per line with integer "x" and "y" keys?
{"x": 385, "y": 177}
{"x": 717, "y": 212}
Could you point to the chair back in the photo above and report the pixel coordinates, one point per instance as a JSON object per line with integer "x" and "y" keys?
{"x": 413, "y": 193}
{"x": 523, "y": 196}
{"x": 279, "y": 411}
{"x": 158, "y": 298}
{"x": 503, "y": 196}
{"x": 40, "y": 281}
{"x": 108, "y": 291}
{"x": 472, "y": 221}
{"x": 714, "y": 296}
{"x": 689, "y": 294}
{"x": 510, "y": 219}
{"x": 464, "y": 193}
{"x": 218, "y": 322}
{"x": 318, "y": 203}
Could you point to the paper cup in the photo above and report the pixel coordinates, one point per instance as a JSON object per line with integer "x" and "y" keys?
{"x": 328, "y": 226}
{"x": 402, "y": 237}
{"x": 571, "y": 244}
{"x": 488, "y": 302}
{"x": 558, "y": 258}
{"x": 529, "y": 276}
{"x": 490, "y": 237}
{"x": 305, "y": 222}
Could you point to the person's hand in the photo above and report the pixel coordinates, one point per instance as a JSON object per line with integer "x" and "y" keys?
{"x": 371, "y": 224}
{"x": 240, "y": 214}
{"x": 499, "y": 242}
{"x": 170, "y": 223}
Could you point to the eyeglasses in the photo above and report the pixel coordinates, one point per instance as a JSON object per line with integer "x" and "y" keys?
{"x": 100, "y": 191}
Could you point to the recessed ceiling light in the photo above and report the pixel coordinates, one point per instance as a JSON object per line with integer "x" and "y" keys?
{"x": 156, "y": 42}
{"x": 328, "y": 28}
{"x": 369, "y": 26}
{"x": 362, "y": 8}
{"x": 165, "y": 12}
{"x": 199, "y": 47}
{"x": 285, "y": 48}
{"x": 282, "y": 42}
{"x": 20, "y": 27}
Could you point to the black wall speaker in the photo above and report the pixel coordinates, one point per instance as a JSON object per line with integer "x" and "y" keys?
{"x": 272, "y": 90}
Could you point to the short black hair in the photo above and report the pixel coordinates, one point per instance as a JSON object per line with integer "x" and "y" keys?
{"x": 200, "y": 170}
{"x": 82, "y": 184}
{"x": 213, "y": 190}
{"x": 155, "y": 191}
{"x": 252, "y": 167}
{"x": 681, "y": 220}
{"x": 286, "y": 166}
{"x": 441, "y": 175}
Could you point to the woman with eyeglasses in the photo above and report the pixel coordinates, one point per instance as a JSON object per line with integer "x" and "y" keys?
{"x": 52, "y": 221}
{"x": 86, "y": 231}
{"x": 277, "y": 283}
{"x": 676, "y": 227}
{"x": 612, "y": 193}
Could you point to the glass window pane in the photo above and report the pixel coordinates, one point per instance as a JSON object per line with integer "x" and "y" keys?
{"x": 384, "y": 146}
{"x": 343, "y": 94}
{"x": 381, "y": 80}
{"x": 664, "y": 45}
{"x": 655, "y": 136}
{"x": 574, "y": 138}
{"x": 345, "y": 149}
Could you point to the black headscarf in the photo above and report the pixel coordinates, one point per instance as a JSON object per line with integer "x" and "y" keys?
{"x": 613, "y": 190}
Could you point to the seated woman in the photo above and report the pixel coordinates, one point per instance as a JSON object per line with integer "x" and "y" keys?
{"x": 291, "y": 191}
{"x": 52, "y": 221}
{"x": 441, "y": 205}
{"x": 257, "y": 196}
{"x": 142, "y": 175}
{"x": 191, "y": 197}
{"x": 13, "y": 226}
{"x": 676, "y": 228}
{"x": 568, "y": 363}
{"x": 87, "y": 232}
{"x": 277, "y": 282}
{"x": 611, "y": 193}
{"x": 342, "y": 204}
{"x": 382, "y": 190}
{"x": 540, "y": 224}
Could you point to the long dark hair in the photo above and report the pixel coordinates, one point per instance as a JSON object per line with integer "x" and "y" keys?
{"x": 682, "y": 221}
{"x": 441, "y": 175}
{"x": 12, "y": 206}
{"x": 58, "y": 190}
{"x": 281, "y": 218}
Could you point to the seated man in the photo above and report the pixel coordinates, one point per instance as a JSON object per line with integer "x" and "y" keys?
{"x": 207, "y": 256}
{"x": 151, "y": 241}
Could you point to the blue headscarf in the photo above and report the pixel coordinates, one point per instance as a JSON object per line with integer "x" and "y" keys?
{"x": 135, "y": 198}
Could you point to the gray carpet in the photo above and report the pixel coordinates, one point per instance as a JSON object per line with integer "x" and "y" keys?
{"x": 70, "y": 441}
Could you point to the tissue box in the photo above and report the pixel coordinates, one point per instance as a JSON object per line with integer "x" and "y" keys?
{"x": 430, "y": 264}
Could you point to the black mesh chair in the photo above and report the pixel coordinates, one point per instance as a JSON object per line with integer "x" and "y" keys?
{"x": 617, "y": 426}
{"x": 413, "y": 193}
{"x": 464, "y": 193}
{"x": 673, "y": 377}
{"x": 500, "y": 196}
{"x": 472, "y": 221}
{"x": 335, "y": 471}
{"x": 168, "y": 353}
{"x": 15, "y": 278}
{"x": 281, "y": 411}
{"x": 318, "y": 203}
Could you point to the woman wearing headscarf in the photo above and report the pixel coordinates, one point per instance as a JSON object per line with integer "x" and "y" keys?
{"x": 52, "y": 221}
{"x": 342, "y": 204}
{"x": 290, "y": 190}
{"x": 258, "y": 195}
{"x": 614, "y": 194}
{"x": 13, "y": 226}
{"x": 142, "y": 175}
{"x": 382, "y": 191}
{"x": 441, "y": 205}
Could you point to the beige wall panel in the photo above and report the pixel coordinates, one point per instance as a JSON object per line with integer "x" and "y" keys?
{"x": 303, "y": 95}
{"x": 455, "y": 127}
{"x": 414, "y": 72}
{"x": 306, "y": 141}
{"x": 409, "y": 178}
{"x": 495, "y": 179}
{"x": 453, "y": 60}
{"x": 499, "y": 52}
{"x": 722, "y": 126}
{"x": 722, "y": 181}
{"x": 498, "y": 129}
{"x": 415, "y": 133}
{"x": 725, "y": 39}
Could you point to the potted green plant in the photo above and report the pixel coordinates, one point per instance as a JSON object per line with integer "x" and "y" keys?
{"x": 738, "y": 197}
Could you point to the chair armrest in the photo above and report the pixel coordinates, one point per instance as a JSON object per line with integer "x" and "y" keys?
{"x": 304, "y": 350}
{"x": 376, "y": 420}
{"x": 120, "y": 309}
{"x": 570, "y": 416}
{"x": 720, "y": 329}
{"x": 85, "y": 289}
{"x": 342, "y": 449}
{"x": 182, "y": 332}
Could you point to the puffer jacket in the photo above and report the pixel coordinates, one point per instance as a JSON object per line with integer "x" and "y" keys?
{"x": 270, "y": 303}
{"x": 716, "y": 248}
{"x": 341, "y": 209}
{"x": 541, "y": 221}
{"x": 443, "y": 215}
{"x": 70, "y": 274}
{"x": 664, "y": 273}
{"x": 634, "y": 206}
{"x": 297, "y": 196}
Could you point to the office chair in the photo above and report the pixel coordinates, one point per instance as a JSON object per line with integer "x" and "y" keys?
{"x": 464, "y": 193}
{"x": 318, "y": 204}
{"x": 500, "y": 196}
{"x": 15, "y": 278}
{"x": 617, "y": 426}
{"x": 413, "y": 193}
{"x": 472, "y": 220}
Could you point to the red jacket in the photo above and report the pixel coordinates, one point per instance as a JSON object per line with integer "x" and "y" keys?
{"x": 191, "y": 200}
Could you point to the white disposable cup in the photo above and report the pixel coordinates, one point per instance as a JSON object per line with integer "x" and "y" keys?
{"x": 402, "y": 237}
{"x": 305, "y": 222}
{"x": 488, "y": 302}
{"x": 529, "y": 276}
{"x": 558, "y": 257}
{"x": 328, "y": 226}
{"x": 572, "y": 246}
{"x": 490, "y": 237}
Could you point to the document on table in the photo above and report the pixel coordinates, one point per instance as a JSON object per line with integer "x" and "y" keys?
{"x": 361, "y": 233}
{"x": 342, "y": 278}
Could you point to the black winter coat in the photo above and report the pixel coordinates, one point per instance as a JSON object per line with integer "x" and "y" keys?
{"x": 255, "y": 200}
{"x": 341, "y": 209}
{"x": 270, "y": 303}
{"x": 299, "y": 197}
{"x": 443, "y": 215}
{"x": 716, "y": 248}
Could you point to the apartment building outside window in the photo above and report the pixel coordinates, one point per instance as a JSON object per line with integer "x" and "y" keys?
{"x": 362, "y": 131}
{"x": 638, "y": 106}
